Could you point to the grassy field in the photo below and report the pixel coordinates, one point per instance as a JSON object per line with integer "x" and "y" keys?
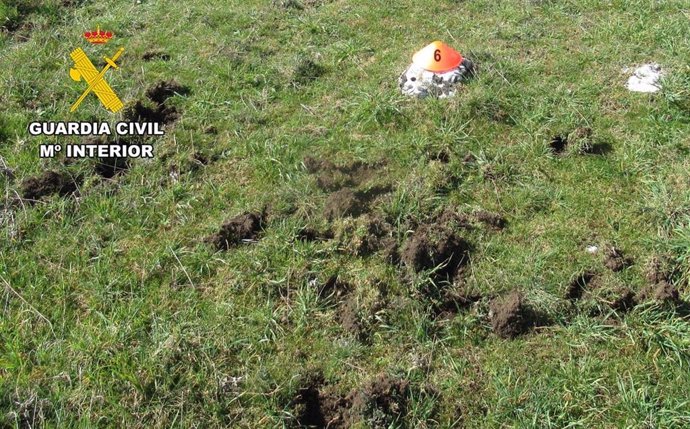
{"x": 310, "y": 248}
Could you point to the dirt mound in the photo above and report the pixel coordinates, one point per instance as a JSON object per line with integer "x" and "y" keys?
{"x": 510, "y": 316}
{"x": 163, "y": 90}
{"x": 578, "y": 285}
{"x": 492, "y": 220}
{"x": 351, "y": 320}
{"x": 558, "y": 144}
{"x": 366, "y": 235}
{"x": 49, "y": 183}
{"x": 331, "y": 177}
{"x": 313, "y": 234}
{"x": 657, "y": 271}
{"x": 140, "y": 112}
{"x": 382, "y": 403}
{"x": 663, "y": 292}
{"x": 333, "y": 288}
{"x": 433, "y": 245}
{"x": 616, "y": 261}
{"x": 241, "y": 228}
{"x": 155, "y": 55}
{"x": 110, "y": 167}
{"x": 306, "y": 72}
{"x": 314, "y": 407}
{"x": 344, "y": 202}
{"x": 625, "y": 301}
{"x": 451, "y": 304}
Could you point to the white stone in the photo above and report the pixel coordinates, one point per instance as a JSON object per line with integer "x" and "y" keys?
{"x": 646, "y": 78}
{"x": 592, "y": 249}
{"x": 419, "y": 82}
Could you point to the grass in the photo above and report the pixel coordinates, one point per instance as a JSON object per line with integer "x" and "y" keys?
{"x": 116, "y": 313}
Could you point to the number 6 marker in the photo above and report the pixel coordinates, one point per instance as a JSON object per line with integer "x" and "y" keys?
{"x": 437, "y": 57}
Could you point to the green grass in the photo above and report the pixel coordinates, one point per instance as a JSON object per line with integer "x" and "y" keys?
{"x": 115, "y": 313}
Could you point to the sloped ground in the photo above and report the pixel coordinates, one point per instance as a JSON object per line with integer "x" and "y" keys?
{"x": 310, "y": 248}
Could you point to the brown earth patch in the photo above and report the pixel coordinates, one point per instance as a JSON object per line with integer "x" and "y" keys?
{"x": 625, "y": 301}
{"x": 163, "y": 90}
{"x": 315, "y": 407}
{"x": 578, "y": 285}
{"x": 312, "y": 234}
{"x": 49, "y": 183}
{"x": 241, "y": 228}
{"x": 432, "y": 245}
{"x": 510, "y": 315}
{"x": 334, "y": 288}
{"x": 558, "y": 144}
{"x": 451, "y": 304}
{"x": 155, "y": 55}
{"x": 616, "y": 261}
{"x": 140, "y": 112}
{"x": 663, "y": 292}
{"x": 306, "y": 72}
{"x": 331, "y": 177}
{"x": 366, "y": 235}
{"x": 381, "y": 403}
{"x": 492, "y": 220}
{"x": 110, "y": 167}
{"x": 349, "y": 202}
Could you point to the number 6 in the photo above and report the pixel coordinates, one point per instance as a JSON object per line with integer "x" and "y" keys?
{"x": 437, "y": 55}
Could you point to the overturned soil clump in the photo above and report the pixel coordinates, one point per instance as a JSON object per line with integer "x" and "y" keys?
{"x": 510, "y": 315}
{"x": 381, "y": 403}
{"x": 244, "y": 227}
{"x": 163, "y": 90}
{"x": 616, "y": 261}
{"x": 161, "y": 113}
{"x": 492, "y": 220}
{"x": 110, "y": 167}
{"x": 310, "y": 234}
{"x": 578, "y": 285}
{"x": 49, "y": 183}
{"x": 344, "y": 202}
{"x": 315, "y": 407}
{"x": 330, "y": 177}
{"x": 663, "y": 292}
{"x": 433, "y": 245}
{"x": 558, "y": 144}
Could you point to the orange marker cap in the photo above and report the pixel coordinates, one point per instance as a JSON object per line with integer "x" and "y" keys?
{"x": 437, "y": 57}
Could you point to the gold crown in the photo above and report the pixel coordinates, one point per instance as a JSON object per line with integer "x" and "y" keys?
{"x": 98, "y": 37}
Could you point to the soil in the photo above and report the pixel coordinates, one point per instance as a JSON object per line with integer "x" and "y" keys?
{"x": 334, "y": 288}
{"x": 238, "y": 229}
{"x": 161, "y": 113}
{"x": 306, "y": 72}
{"x": 312, "y": 234}
{"x": 155, "y": 55}
{"x": 656, "y": 271}
{"x": 663, "y": 292}
{"x": 666, "y": 292}
{"x": 351, "y": 320}
{"x": 432, "y": 245}
{"x": 314, "y": 407}
{"x": 451, "y": 304}
{"x": 49, "y": 183}
{"x": 163, "y": 90}
{"x": 110, "y": 167}
{"x": 332, "y": 178}
{"x": 492, "y": 220}
{"x": 558, "y": 144}
{"x": 578, "y": 285}
{"x": 616, "y": 261}
{"x": 344, "y": 202}
{"x": 381, "y": 403}
{"x": 510, "y": 316}
{"x": 625, "y": 301}
{"x": 367, "y": 235}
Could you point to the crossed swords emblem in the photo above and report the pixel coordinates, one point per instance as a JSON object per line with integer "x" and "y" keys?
{"x": 84, "y": 69}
